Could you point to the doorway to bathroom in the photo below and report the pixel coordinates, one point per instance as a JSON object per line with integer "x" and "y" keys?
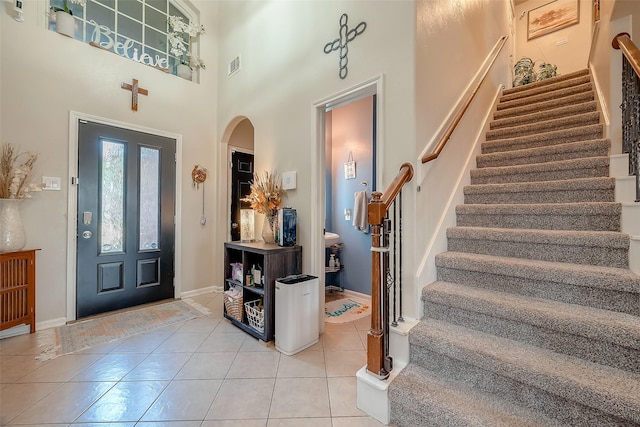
{"x": 350, "y": 159}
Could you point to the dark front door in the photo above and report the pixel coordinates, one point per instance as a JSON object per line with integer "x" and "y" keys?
{"x": 125, "y": 229}
{"x": 241, "y": 177}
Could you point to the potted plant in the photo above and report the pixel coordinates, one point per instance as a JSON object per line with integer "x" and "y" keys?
{"x": 65, "y": 23}
{"x": 180, "y": 36}
{"x": 16, "y": 184}
{"x": 525, "y": 72}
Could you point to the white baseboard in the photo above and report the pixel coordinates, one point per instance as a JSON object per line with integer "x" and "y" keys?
{"x": 51, "y": 323}
{"x": 201, "y": 291}
{"x": 15, "y": 331}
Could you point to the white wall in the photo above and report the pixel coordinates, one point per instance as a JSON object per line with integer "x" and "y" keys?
{"x": 284, "y": 71}
{"x": 570, "y": 56}
{"x": 453, "y": 40}
{"x": 44, "y": 77}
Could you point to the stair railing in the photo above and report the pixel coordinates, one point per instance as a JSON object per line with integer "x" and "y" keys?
{"x": 383, "y": 277}
{"x": 467, "y": 102}
{"x": 630, "y": 103}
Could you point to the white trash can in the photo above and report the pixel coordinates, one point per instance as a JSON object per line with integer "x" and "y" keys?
{"x": 296, "y": 313}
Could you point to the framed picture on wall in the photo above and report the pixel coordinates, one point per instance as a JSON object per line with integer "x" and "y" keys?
{"x": 552, "y": 17}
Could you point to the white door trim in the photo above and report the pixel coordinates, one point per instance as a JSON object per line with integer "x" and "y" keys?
{"x": 72, "y": 202}
{"x": 373, "y": 86}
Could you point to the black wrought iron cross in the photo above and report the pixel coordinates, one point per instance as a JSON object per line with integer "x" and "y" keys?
{"x": 135, "y": 90}
{"x": 341, "y": 43}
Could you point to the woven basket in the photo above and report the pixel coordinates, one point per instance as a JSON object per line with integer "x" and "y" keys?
{"x": 233, "y": 306}
{"x": 255, "y": 316}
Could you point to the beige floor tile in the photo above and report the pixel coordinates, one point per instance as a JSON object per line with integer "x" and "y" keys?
{"x": 101, "y": 349}
{"x": 300, "y": 397}
{"x": 254, "y": 365}
{"x": 363, "y": 338}
{"x": 126, "y": 401}
{"x": 339, "y": 340}
{"x": 342, "y": 397}
{"x": 254, "y": 344}
{"x": 64, "y": 404}
{"x": 102, "y": 425}
{"x": 226, "y": 327}
{"x": 182, "y": 342}
{"x": 172, "y": 405}
{"x": 15, "y": 367}
{"x": 223, "y": 342}
{"x": 339, "y": 327}
{"x": 200, "y": 324}
{"x": 111, "y": 367}
{"x": 61, "y": 369}
{"x": 297, "y": 422}
{"x": 158, "y": 366}
{"x": 356, "y": 422}
{"x": 307, "y": 364}
{"x": 344, "y": 363}
{"x": 207, "y": 366}
{"x": 242, "y": 399}
{"x": 15, "y": 398}
{"x": 235, "y": 423}
{"x": 20, "y": 344}
{"x": 143, "y": 343}
{"x": 363, "y": 324}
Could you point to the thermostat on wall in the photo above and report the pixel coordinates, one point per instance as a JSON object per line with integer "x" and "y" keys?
{"x": 289, "y": 180}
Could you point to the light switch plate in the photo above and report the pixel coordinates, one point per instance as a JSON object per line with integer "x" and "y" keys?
{"x": 289, "y": 180}
{"x": 52, "y": 183}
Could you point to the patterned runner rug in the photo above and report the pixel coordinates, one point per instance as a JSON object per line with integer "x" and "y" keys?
{"x": 96, "y": 331}
{"x": 346, "y": 310}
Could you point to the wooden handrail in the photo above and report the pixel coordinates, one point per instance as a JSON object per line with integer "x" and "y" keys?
{"x": 378, "y": 361}
{"x": 445, "y": 138}
{"x": 623, "y": 42}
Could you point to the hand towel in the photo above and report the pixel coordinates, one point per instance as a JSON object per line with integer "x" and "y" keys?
{"x": 360, "y": 219}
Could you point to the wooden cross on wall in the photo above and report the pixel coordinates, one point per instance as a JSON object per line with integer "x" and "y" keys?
{"x": 135, "y": 90}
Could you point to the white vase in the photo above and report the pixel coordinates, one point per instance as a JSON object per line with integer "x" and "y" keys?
{"x": 65, "y": 24}
{"x": 184, "y": 71}
{"x": 12, "y": 237}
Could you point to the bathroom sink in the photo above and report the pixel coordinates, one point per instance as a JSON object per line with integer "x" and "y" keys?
{"x": 330, "y": 239}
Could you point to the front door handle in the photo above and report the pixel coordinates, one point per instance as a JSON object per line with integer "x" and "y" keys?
{"x": 87, "y": 234}
{"x": 234, "y": 225}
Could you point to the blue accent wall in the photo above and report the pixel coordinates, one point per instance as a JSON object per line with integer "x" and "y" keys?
{"x": 352, "y": 131}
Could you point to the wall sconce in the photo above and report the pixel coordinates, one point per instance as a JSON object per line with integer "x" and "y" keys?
{"x": 247, "y": 225}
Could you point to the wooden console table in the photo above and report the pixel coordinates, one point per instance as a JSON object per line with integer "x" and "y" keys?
{"x": 18, "y": 289}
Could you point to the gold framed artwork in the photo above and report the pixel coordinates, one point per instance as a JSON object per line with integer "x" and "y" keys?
{"x": 552, "y": 17}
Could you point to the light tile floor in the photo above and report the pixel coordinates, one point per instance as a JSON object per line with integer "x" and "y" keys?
{"x": 204, "y": 372}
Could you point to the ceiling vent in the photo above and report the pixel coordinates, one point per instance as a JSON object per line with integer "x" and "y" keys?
{"x": 234, "y": 66}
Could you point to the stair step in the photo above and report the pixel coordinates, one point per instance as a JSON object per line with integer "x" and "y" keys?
{"x": 590, "y": 167}
{"x": 626, "y": 189}
{"x": 420, "y": 398}
{"x": 519, "y": 111}
{"x": 571, "y": 390}
{"x": 528, "y": 91}
{"x": 549, "y": 153}
{"x": 598, "y": 216}
{"x": 630, "y": 218}
{"x": 603, "y": 248}
{"x": 547, "y": 114}
{"x": 607, "y": 288}
{"x": 546, "y": 96}
{"x": 619, "y": 165}
{"x": 601, "y": 189}
{"x": 584, "y": 119}
{"x": 547, "y": 82}
{"x": 583, "y": 133}
{"x": 600, "y": 336}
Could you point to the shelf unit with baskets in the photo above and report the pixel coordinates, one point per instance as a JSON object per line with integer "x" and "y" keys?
{"x": 250, "y": 306}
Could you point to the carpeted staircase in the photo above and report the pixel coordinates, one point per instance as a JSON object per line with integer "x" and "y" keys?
{"x": 535, "y": 317}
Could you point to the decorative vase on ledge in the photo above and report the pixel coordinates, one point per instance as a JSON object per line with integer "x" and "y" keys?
{"x": 269, "y": 228}
{"x": 12, "y": 237}
{"x": 65, "y": 24}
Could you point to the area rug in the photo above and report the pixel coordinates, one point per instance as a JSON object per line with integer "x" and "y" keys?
{"x": 346, "y": 310}
{"x": 96, "y": 331}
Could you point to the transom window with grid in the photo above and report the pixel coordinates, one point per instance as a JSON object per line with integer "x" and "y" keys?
{"x": 136, "y": 29}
